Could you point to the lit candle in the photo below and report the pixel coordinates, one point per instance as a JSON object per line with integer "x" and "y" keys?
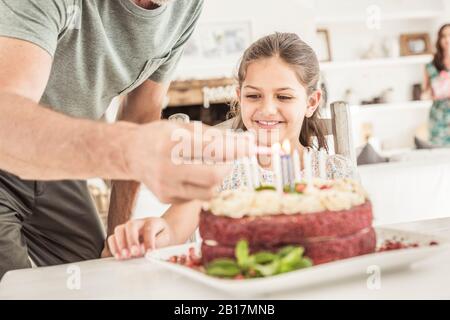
{"x": 322, "y": 164}
{"x": 255, "y": 172}
{"x": 296, "y": 163}
{"x": 276, "y": 167}
{"x": 291, "y": 174}
{"x": 307, "y": 165}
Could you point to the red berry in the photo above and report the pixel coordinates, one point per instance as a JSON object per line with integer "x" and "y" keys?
{"x": 197, "y": 261}
{"x": 300, "y": 187}
{"x": 182, "y": 259}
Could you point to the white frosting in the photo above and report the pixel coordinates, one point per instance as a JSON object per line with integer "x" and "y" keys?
{"x": 338, "y": 195}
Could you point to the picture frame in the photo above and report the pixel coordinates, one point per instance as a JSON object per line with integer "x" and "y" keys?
{"x": 323, "y": 45}
{"x": 219, "y": 41}
{"x": 415, "y": 44}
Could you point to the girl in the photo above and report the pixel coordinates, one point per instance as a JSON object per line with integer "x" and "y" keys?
{"x": 278, "y": 97}
{"x": 437, "y": 87}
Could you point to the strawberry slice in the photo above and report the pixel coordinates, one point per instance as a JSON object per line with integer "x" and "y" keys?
{"x": 300, "y": 187}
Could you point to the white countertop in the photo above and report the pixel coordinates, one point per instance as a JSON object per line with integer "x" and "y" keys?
{"x": 139, "y": 279}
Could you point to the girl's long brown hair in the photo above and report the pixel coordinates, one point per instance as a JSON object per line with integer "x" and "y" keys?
{"x": 301, "y": 57}
{"x": 438, "y": 59}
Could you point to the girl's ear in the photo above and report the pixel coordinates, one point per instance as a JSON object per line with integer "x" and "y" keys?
{"x": 313, "y": 103}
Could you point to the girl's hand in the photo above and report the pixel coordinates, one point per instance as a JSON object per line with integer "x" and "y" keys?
{"x": 134, "y": 238}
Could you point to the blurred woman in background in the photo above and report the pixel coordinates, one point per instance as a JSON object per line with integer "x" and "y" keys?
{"x": 437, "y": 87}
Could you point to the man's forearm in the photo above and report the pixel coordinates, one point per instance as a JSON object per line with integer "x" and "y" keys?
{"x": 123, "y": 200}
{"x": 38, "y": 143}
{"x": 142, "y": 106}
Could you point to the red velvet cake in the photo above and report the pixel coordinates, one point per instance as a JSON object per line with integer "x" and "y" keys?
{"x": 331, "y": 220}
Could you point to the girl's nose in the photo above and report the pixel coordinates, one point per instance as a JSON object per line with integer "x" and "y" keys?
{"x": 269, "y": 107}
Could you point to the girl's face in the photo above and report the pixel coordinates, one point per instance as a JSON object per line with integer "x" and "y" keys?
{"x": 445, "y": 39}
{"x": 274, "y": 102}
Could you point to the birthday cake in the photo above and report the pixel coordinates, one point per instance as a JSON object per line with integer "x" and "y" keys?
{"x": 330, "y": 219}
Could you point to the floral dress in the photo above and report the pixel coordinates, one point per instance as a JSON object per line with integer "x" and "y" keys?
{"x": 439, "y": 122}
{"x": 337, "y": 167}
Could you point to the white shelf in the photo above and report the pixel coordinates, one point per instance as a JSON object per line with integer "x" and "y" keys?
{"x": 407, "y": 60}
{"x": 395, "y": 106}
{"x": 430, "y": 14}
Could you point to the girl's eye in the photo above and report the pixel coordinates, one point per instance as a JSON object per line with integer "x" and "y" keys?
{"x": 252, "y": 96}
{"x": 284, "y": 97}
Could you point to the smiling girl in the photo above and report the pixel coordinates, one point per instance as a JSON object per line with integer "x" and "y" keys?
{"x": 278, "y": 96}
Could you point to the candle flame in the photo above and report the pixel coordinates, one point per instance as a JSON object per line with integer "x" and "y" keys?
{"x": 276, "y": 147}
{"x": 286, "y": 146}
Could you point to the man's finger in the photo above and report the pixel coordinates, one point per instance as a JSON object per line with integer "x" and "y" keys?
{"x": 191, "y": 191}
{"x": 204, "y": 175}
{"x": 209, "y": 144}
{"x": 225, "y": 146}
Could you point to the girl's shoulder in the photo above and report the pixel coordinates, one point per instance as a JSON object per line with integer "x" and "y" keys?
{"x": 337, "y": 166}
{"x": 340, "y": 167}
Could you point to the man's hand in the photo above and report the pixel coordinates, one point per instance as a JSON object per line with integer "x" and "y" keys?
{"x": 152, "y": 159}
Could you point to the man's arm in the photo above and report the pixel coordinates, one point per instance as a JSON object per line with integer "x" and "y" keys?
{"x": 143, "y": 105}
{"x": 38, "y": 143}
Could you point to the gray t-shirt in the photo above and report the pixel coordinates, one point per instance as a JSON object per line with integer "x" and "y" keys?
{"x": 100, "y": 48}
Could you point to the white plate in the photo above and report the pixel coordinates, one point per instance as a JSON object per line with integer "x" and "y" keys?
{"x": 332, "y": 271}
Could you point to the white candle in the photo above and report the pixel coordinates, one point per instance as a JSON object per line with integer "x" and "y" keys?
{"x": 285, "y": 170}
{"x": 248, "y": 172}
{"x": 276, "y": 167}
{"x": 307, "y": 165}
{"x": 296, "y": 160}
{"x": 286, "y": 165}
{"x": 322, "y": 164}
{"x": 255, "y": 172}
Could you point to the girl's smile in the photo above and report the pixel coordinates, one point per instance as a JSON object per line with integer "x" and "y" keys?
{"x": 269, "y": 124}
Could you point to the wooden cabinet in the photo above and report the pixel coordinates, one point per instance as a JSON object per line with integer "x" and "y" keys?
{"x": 190, "y": 92}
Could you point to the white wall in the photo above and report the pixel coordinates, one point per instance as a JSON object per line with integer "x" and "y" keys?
{"x": 349, "y": 40}
{"x": 266, "y": 17}
{"x": 445, "y": 15}
{"x": 394, "y": 129}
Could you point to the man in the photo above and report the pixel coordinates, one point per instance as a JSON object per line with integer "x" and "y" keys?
{"x": 61, "y": 63}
